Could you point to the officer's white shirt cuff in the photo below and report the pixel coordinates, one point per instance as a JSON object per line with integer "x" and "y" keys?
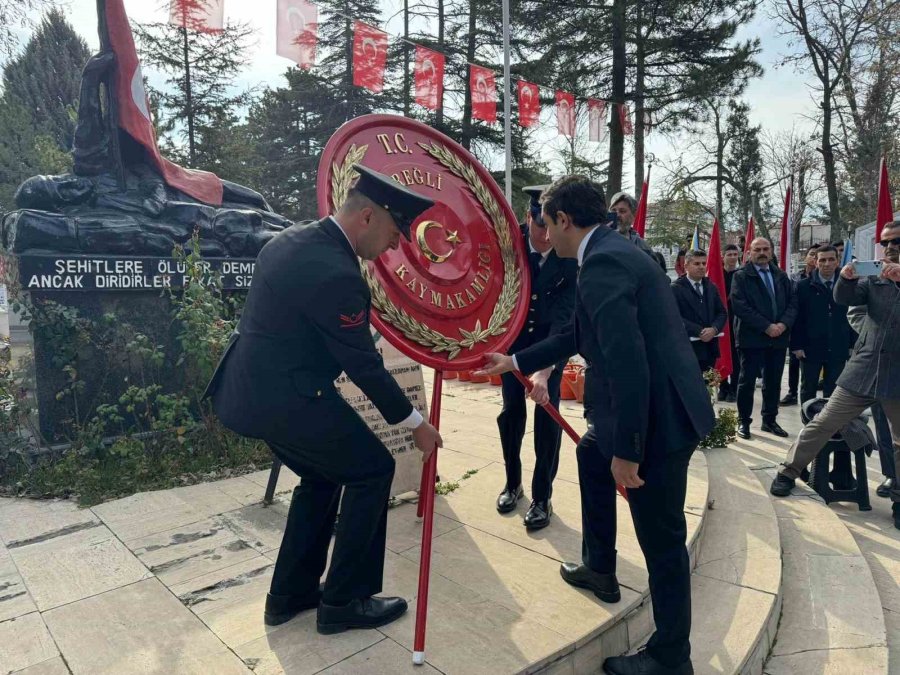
{"x": 515, "y": 362}
{"x": 413, "y": 421}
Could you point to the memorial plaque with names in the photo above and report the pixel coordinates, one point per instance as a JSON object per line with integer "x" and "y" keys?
{"x": 71, "y": 272}
{"x": 397, "y": 439}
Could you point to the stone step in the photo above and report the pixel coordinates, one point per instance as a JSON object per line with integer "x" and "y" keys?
{"x": 832, "y": 619}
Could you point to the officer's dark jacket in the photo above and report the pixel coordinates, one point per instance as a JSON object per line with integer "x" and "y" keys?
{"x": 552, "y": 300}
{"x": 699, "y": 313}
{"x": 821, "y": 326}
{"x": 750, "y": 301}
{"x": 306, "y": 319}
{"x": 647, "y": 395}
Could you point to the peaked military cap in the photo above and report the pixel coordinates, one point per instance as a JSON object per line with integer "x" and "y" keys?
{"x": 403, "y": 204}
{"x": 535, "y": 192}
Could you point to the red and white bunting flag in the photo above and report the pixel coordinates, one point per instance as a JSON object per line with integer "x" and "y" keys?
{"x": 206, "y": 16}
{"x": 484, "y": 93}
{"x": 596, "y": 120}
{"x": 716, "y": 273}
{"x": 369, "y": 56}
{"x": 297, "y": 32}
{"x": 134, "y": 112}
{"x": 429, "y": 78}
{"x": 787, "y": 224}
{"x": 625, "y": 119}
{"x": 529, "y": 103}
{"x": 885, "y": 212}
{"x": 565, "y": 113}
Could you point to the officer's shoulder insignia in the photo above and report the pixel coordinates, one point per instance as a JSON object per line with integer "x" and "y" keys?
{"x": 353, "y": 320}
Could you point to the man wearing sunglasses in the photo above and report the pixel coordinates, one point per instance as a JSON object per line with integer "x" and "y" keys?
{"x": 873, "y": 373}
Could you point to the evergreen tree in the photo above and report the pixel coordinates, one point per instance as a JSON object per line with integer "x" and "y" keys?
{"x": 743, "y": 163}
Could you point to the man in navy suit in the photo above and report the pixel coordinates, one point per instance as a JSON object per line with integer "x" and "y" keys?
{"x": 701, "y": 308}
{"x": 649, "y": 408}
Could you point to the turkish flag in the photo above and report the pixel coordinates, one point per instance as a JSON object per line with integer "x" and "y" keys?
{"x": 134, "y": 112}
{"x": 565, "y": 113}
{"x": 429, "y": 78}
{"x": 885, "y": 211}
{"x": 625, "y": 119}
{"x": 484, "y": 93}
{"x": 206, "y": 16}
{"x": 640, "y": 217}
{"x": 716, "y": 273}
{"x": 369, "y": 56}
{"x": 748, "y": 238}
{"x": 596, "y": 120}
{"x": 529, "y": 103}
{"x": 297, "y": 32}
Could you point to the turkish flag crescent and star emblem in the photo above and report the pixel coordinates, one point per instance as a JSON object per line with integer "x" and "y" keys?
{"x": 484, "y": 93}
{"x": 369, "y": 56}
{"x": 565, "y": 113}
{"x": 429, "y": 78}
{"x": 529, "y": 103}
{"x": 596, "y": 120}
{"x": 205, "y": 16}
{"x": 297, "y": 32}
{"x": 134, "y": 112}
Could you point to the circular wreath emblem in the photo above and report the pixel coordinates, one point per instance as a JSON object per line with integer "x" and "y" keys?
{"x": 342, "y": 176}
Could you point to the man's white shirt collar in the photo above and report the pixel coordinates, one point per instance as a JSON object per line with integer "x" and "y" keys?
{"x": 341, "y": 228}
{"x": 582, "y": 247}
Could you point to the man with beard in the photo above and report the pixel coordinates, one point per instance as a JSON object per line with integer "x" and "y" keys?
{"x": 871, "y": 376}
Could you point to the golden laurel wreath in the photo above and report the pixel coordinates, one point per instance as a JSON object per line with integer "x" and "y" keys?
{"x": 342, "y": 176}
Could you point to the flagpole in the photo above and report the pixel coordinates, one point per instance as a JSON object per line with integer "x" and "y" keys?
{"x": 507, "y": 107}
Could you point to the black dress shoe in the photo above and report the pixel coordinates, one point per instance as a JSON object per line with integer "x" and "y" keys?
{"x": 773, "y": 428}
{"x": 723, "y": 395}
{"x": 507, "y": 500}
{"x": 368, "y": 612}
{"x": 744, "y": 430}
{"x": 896, "y": 508}
{"x": 605, "y": 586}
{"x": 884, "y": 490}
{"x": 538, "y": 515}
{"x": 782, "y": 485}
{"x": 643, "y": 664}
{"x": 788, "y": 399}
{"x": 281, "y": 608}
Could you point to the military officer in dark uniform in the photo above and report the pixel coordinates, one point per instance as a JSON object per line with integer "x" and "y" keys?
{"x": 549, "y": 313}
{"x": 305, "y": 321}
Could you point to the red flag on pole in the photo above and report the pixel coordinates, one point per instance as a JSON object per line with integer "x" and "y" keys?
{"x": 885, "y": 213}
{"x": 565, "y": 113}
{"x": 529, "y": 103}
{"x": 640, "y": 218}
{"x": 596, "y": 120}
{"x": 625, "y": 118}
{"x": 716, "y": 273}
{"x": 429, "y": 78}
{"x": 484, "y": 93}
{"x": 369, "y": 56}
{"x": 205, "y": 16}
{"x": 748, "y": 237}
{"x": 134, "y": 112}
{"x": 787, "y": 224}
{"x": 297, "y": 32}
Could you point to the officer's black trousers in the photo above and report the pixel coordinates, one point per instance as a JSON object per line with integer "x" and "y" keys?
{"x": 547, "y": 436}
{"x": 793, "y": 374}
{"x": 765, "y": 362}
{"x": 832, "y": 363}
{"x": 657, "y": 509}
{"x": 360, "y": 464}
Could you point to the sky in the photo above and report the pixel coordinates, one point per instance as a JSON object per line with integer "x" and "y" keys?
{"x": 779, "y": 100}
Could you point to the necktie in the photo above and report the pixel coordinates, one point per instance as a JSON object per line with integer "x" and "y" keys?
{"x": 699, "y": 288}
{"x": 767, "y": 278}
{"x": 535, "y": 259}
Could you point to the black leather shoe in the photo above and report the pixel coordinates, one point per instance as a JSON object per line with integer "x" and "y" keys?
{"x": 723, "y": 395}
{"x": 884, "y": 490}
{"x": 773, "y": 428}
{"x": 538, "y": 515}
{"x": 281, "y": 608}
{"x": 896, "y": 508}
{"x": 643, "y": 664}
{"x": 782, "y": 485}
{"x": 508, "y": 499}
{"x": 364, "y": 613}
{"x": 604, "y": 586}
{"x": 788, "y": 399}
{"x": 744, "y": 430}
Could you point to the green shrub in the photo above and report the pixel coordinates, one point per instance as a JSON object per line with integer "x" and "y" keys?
{"x": 725, "y": 430}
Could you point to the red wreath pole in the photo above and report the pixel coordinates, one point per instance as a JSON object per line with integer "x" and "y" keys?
{"x": 426, "y": 500}
{"x": 558, "y": 418}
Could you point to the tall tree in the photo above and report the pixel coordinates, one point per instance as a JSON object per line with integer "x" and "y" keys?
{"x": 743, "y": 163}
{"x": 199, "y": 95}
{"x": 16, "y": 15}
